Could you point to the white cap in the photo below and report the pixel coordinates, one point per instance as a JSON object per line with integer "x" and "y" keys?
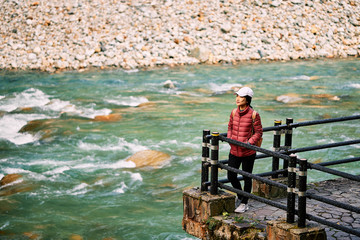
{"x": 245, "y": 91}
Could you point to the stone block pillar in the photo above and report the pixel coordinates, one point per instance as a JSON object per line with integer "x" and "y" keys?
{"x": 281, "y": 230}
{"x": 200, "y": 206}
{"x": 268, "y": 191}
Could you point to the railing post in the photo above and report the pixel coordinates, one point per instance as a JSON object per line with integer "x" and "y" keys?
{"x": 214, "y": 163}
{"x": 276, "y": 146}
{"x": 302, "y": 193}
{"x": 288, "y": 142}
{"x": 204, "y": 160}
{"x": 290, "y": 213}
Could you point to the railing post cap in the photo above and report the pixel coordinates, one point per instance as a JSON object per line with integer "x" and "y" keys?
{"x": 277, "y": 121}
{"x": 293, "y": 155}
{"x": 215, "y": 134}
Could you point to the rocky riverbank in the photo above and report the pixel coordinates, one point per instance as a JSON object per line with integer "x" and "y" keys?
{"x": 57, "y": 35}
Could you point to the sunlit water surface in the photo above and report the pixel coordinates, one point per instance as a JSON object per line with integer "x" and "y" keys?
{"x": 75, "y": 173}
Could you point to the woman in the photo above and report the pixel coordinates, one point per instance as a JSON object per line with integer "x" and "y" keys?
{"x": 244, "y": 126}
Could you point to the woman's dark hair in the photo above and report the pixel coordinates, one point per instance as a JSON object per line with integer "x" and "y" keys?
{"x": 248, "y": 100}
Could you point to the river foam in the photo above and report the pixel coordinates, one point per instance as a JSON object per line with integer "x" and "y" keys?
{"x": 131, "y": 101}
{"x": 120, "y": 145}
{"x": 33, "y": 104}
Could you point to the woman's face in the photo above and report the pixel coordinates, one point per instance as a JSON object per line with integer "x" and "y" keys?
{"x": 240, "y": 101}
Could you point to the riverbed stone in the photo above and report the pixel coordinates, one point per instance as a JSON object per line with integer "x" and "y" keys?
{"x": 75, "y": 237}
{"x": 7, "y": 179}
{"x": 114, "y": 117}
{"x": 290, "y": 98}
{"x": 169, "y": 84}
{"x": 149, "y": 158}
{"x": 13, "y": 183}
{"x": 60, "y": 35}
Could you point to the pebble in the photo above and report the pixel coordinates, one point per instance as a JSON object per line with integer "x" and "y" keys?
{"x": 59, "y": 35}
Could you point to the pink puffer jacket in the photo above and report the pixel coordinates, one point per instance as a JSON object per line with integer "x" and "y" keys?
{"x": 240, "y": 129}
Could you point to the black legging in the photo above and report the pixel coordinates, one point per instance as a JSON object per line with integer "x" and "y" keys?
{"x": 247, "y": 166}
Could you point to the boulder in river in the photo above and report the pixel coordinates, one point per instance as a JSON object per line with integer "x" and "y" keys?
{"x": 75, "y": 237}
{"x": 12, "y": 183}
{"x": 149, "y": 158}
{"x": 326, "y": 96}
{"x": 32, "y": 235}
{"x": 114, "y": 117}
{"x": 169, "y": 84}
{"x": 7, "y": 179}
{"x": 290, "y": 98}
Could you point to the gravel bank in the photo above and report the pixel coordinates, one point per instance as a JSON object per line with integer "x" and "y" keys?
{"x": 52, "y": 35}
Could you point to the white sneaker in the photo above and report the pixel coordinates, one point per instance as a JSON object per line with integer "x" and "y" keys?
{"x": 242, "y": 208}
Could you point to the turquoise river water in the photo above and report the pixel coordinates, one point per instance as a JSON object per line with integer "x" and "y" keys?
{"x": 75, "y": 177}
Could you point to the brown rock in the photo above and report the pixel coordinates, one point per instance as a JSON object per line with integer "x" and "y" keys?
{"x": 326, "y": 96}
{"x": 149, "y": 158}
{"x": 10, "y": 189}
{"x": 145, "y": 48}
{"x": 290, "y": 98}
{"x": 147, "y": 104}
{"x": 188, "y": 40}
{"x": 9, "y": 179}
{"x": 32, "y": 126}
{"x": 32, "y": 235}
{"x": 108, "y": 118}
{"x": 47, "y": 127}
{"x": 26, "y": 109}
{"x": 314, "y": 77}
{"x": 75, "y": 237}
{"x": 314, "y": 29}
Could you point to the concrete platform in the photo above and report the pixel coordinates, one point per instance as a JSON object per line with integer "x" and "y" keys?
{"x": 340, "y": 189}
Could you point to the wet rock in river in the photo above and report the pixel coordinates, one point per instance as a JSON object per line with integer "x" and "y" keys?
{"x": 75, "y": 237}
{"x": 169, "y": 84}
{"x": 7, "y": 179}
{"x": 13, "y": 183}
{"x": 147, "y": 105}
{"x": 108, "y": 118}
{"x": 326, "y": 96}
{"x": 149, "y": 158}
{"x": 32, "y": 235}
{"x": 290, "y": 98}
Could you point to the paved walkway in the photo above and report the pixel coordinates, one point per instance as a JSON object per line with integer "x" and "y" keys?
{"x": 342, "y": 190}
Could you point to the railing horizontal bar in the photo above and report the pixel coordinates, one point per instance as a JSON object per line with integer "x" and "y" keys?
{"x": 318, "y": 147}
{"x": 332, "y": 202}
{"x": 309, "y": 123}
{"x": 333, "y": 225}
{"x": 304, "y": 124}
{"x": 240, "y": 178}
{"x": 257, "y": 198}
{"x": 347, "y": 160}
{"x": 285, "y": 155}
{"x": 283, "y": 207}
{"x": 258, "y": 156}
{"x": 246, "y": 174}
{"x": 334, "y": 172}
{"x": 330, "y": 120}
{"x": 255, "y": 148}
